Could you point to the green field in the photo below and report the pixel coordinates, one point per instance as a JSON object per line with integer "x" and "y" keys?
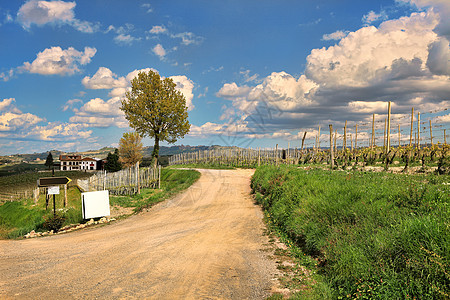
{"x": 17, "y": 218}
{"x": 364, "y": 235}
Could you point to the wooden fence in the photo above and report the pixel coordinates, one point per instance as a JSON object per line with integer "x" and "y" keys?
{"x": 125, "y": 182}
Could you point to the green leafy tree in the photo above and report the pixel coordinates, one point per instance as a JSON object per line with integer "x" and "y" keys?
{"x": 130, "y": 149}
{"x": 49, "y": 160}
{"x": 112, "y": 162}
{"x": 156, "y": 109}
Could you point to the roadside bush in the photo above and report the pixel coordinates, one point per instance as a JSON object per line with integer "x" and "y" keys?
{"x": 374, "y": 235}
{"x": 53, "y": 222}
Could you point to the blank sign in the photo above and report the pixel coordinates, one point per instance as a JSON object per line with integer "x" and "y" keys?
{"x": 95, "y": 204}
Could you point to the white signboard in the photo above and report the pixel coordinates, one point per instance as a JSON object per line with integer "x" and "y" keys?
{"x": 95, "y": 204}
{"x": 53, "y": 190}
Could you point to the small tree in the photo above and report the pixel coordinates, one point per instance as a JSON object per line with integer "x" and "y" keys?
{"x": 156, "y": 109}
{"x": 130, "y": 149}
{"x": 112, "y": 162}
{"x": 49, "y": 160}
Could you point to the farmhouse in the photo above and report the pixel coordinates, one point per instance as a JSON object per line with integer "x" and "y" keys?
{"x": 77, "y": 163}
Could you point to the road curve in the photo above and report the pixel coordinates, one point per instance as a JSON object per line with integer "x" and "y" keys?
{"x": 204, "y": 244}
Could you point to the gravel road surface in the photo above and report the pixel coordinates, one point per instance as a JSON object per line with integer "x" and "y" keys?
{"x": 206, "y": 243}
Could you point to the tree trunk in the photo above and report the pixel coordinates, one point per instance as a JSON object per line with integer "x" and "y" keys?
{"x": 155, "y": 153}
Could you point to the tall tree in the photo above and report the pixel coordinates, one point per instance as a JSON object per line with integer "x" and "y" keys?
{"x": 49, "y": 160}
{"x": 156, "y": 109}
{"x": 112, "y": 162}
{"x": 130, "y": 149}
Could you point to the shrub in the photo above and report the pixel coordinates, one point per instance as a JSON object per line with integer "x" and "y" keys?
{"x": 53, "y": 222}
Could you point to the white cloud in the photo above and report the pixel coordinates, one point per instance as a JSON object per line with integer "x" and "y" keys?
{"x": 52, "y": 12}
{"x": 104, "y": 78}
{"x": 188, "y": 38}
{"x": 185, "y": 86}
{"x": 125, "y": 39}
{"x": 159, "y": 51}
{"x": 70, "y": 103}
{"x": 6, "y": 103}
{"x": 55, "y": 60}
{"x": 100, "y": 113}
{"x": 56, "y": 131}
{"x": 158, "y": 29}
{"x": 373, "y": 17}
{"x": 148, "y": 7}
{"x": 6, "y": 76}
{"x": 337, "y": 35}
{"x": 12, "y": 122}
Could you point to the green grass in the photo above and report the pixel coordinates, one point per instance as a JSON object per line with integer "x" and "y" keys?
{"x": 20, "y": 217}
{"x": 372, "y": 235}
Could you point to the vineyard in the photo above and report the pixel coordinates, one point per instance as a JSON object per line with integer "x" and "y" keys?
{"x": 420, "y": 148}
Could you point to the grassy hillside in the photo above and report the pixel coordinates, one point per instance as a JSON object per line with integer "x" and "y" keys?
{"x": 369, "y": 235}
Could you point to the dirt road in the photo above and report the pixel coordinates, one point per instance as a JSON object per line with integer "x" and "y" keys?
{"x": 204, "y": 244}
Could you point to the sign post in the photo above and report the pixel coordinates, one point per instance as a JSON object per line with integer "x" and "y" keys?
{"x": 52, "y": 184}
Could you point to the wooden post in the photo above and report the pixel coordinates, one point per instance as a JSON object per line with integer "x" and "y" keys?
{"x": 431, "y": 133}
{"x": 388, "y": 141}
{"x": 276, "y": 155}
{"x": 65, "y": 195}
{"x": 373, "y": 131}
{"x": 412, "y": 125}
{"x": 138, "y": 178}
{"x": 356, "y": 136}
{"x": 288, "y": 158}
{"x": 159, "y": 177}
{"x": 259, "y": 156}
{"x": 303, "y": 140}
{"x": 418, "y": 130}
{"x": 331, "y": 147}
{"x": 345, "y": 135}
{"x": 384, "y": 136}
{"x": 318, "y": 139}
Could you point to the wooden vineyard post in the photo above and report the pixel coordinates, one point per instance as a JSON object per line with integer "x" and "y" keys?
{"x": 431, "y": 134}
{"x": 384, "y": 137}
{"x": 351, "y": 142}
{"x": 288, "y": 157}
{"x": 318, "y": 140}
{"x": 345, "y": 135}
{"x": 388, "y": 133}
{"x": 159, "y": 177}
{"x": 356, "y": 136}
{"x": 418, "y": 130}
{"x": 138, "y": 178}
{"x": 331, "y": 147}
{"x": 303, "y": 140}
{"x": 373, "y": 131}
{"x": 276, "y": 155}
{"x": 412, "y": 125}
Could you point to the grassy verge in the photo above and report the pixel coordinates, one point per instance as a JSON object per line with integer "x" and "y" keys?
{"x": 20, "y": 217}
{"x": 365, "y": 235}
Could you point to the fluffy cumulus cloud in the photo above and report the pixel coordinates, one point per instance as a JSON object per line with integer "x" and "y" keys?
{"x": 403, "y": 60}
{"x": 159, "y": 51}
{"x": 56, "y": 61}
{"x": 52, "y": 12}
{"x": 28, "y": 128}
{"x": 100, "y": 113}
{"x": 104, "y": 78}
{"x": 373, "y": 17}
{"x": 185, "y": 86}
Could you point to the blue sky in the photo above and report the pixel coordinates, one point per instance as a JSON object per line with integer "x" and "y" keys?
{"x": 254, "y": 73}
